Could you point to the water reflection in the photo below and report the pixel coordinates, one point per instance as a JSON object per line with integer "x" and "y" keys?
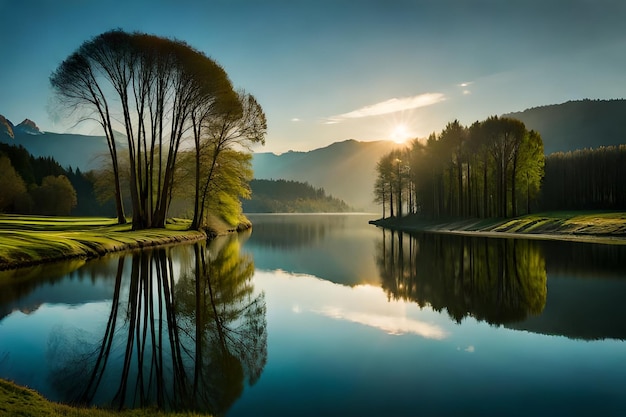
{"x": 338, "y": 248}
{"x": 183, "y": 333}
{"x": 505, "y": 281}
{"x": 495, "y": 280}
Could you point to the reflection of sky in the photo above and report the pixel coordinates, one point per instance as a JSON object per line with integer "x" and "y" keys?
{"x": 331, "y": 351}
{"x": 30, "y": 343}
{"x": 366, "y": 305}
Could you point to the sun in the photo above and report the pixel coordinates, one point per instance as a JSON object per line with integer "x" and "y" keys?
{"x": 400, "y": 133}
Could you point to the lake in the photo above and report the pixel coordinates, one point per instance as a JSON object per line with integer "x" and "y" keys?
{"x": 326, "y": 315}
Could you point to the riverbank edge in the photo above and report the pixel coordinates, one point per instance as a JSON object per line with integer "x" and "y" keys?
{"x": 140, "y": 240}
{"x": 589, "y": 227}
{"x": 23, "y": 401}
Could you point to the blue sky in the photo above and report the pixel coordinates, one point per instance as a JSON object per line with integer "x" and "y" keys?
{"x": 326, "y": 71}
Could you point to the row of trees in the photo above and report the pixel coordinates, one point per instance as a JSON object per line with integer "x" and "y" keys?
{"x": 161, "y": 93}
{"x": 493, "y": 168}
{"x": 51, "y": 194}
{"x": 588, "y": 179}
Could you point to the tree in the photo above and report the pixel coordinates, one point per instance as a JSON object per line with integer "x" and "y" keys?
{"x": 55, "y": 197}
{"x": 455, "y": 170}
{"x": 157, "y": 87}
{"x": 11, "y": 185}
{"x": 242, "y": 124}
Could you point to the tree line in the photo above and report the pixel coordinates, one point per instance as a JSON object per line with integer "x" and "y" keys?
{"x": 588, "y": 179}
{"x": 32, "y": 185}
{"x": 185, "y": 126}
{"x": 493, "y": 168}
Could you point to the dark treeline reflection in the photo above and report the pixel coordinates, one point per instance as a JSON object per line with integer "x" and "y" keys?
{"x": 182, "y": 333}
{"x": 585, "y": 259}
{"x": 495, "y": 280}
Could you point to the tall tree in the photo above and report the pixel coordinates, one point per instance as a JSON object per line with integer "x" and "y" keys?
{"x": 238, "y": 126}
{"x": 156, "y": 87}
{"x": 454, "y": 171}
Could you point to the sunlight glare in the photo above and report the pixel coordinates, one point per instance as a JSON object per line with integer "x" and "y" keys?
{"x": 400, "y": 133}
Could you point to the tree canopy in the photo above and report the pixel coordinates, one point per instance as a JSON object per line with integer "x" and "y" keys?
{"x": 159, "y": 92}
{"x": 492, "y": 169}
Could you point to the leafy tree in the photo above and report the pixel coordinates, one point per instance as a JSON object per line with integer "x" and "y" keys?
{"x": 241, "y": 125}
{"x": 12, "y": 186}
{"x": 485, "y": 170}
{"x": 56, "y": 196}
{"x": 161, "y": 89}
{"x": 384, "y": 185}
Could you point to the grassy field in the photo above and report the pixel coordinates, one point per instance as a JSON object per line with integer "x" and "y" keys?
{"x": 28, "y": 240}
{"x": 600, "y": 227}
{"x": 19, "y": 401}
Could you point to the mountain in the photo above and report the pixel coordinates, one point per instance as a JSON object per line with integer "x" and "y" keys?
{"x": 346, "y": 170}
{"x": 6, "y": 127}
{"x": 77, "y": 151}
{"x": 577, "y": 124}
{"x": 28, "y": 127}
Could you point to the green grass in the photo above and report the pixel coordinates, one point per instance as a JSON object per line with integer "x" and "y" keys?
{"x": 23, "y": 402}
{"x": 569, "y": 223}
{"x": 28, "y": 240}
{"x": 591, "y": 226}
{"x": 32, "y": 240}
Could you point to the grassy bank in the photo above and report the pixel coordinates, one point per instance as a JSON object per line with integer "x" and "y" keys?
{"x": 601, "y": 227}
{"x": 31, "y": 240}
{"x": 19, "y": 401}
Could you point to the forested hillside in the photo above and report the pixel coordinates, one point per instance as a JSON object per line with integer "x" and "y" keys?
{"x": 282, "y": 196}
{"x": 38, "y": 185}
{"x": 344, "y": 169}
{"x": 577, "y": 124}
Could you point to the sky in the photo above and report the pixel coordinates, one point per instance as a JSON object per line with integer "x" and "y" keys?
{"x": 330, "y": 70}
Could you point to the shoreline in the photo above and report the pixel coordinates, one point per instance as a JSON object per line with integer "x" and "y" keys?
{"x": 586, "y": 227}
{"x": 33, "y": 241}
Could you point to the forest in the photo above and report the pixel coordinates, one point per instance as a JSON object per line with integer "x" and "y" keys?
{"x": 36, "y": 185}
{"x": 285, "y": 196}
{"x": 493, "y": 168}
{"x": 496, "y": 168}
{"x": 587, "y": 179}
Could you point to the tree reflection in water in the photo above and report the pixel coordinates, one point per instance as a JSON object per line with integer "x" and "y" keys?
{"x": 496, "y": 280}
{"x": 181, "y": 341}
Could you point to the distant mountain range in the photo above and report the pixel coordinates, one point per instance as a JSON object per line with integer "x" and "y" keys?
{"x": 577, "y": 124}
{"x": 68, "y": 149}
{"x": 346, "y": 169}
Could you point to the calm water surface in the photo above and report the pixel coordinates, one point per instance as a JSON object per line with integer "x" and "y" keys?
{"x": 327, "y": 315}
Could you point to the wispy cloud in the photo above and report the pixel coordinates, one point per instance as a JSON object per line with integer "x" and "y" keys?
{"x": 390, "y": 324}
{"x": 295, "y": 119}
{"x": 389, "y": 106}
{"x": 464, "y": 86}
